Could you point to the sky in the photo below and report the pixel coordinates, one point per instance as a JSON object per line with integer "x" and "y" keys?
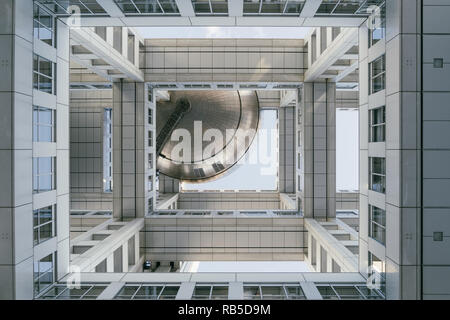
{"x": 249, "y": 266}
{"x": 223, "y": 32}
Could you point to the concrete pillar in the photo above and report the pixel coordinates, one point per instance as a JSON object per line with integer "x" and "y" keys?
{"x": 110, "y": 263}
{"x": 286, "y": 127}
{"x": 125, "y": 257}
{"x": 318, "y": 150}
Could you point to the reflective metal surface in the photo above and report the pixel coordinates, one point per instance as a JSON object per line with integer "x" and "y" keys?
{"x": 224, "y": 111}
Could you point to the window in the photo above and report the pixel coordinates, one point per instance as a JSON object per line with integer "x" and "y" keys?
{"x": 62, "y": 292}
{"x": 43, "y": 25}
{"x": 107, "y": 150}
{"x": 377, "y": 124}
{"x": 377, "y": 271}
{"x": 273, "y": 292}
{"x": 210, "y": 292}
{"x": 280, "y": 7}
{"x": 43, "y": 224}
{"x": 348, "y": 292}
{"x": 44, "y": 273}
{"x": 150, "y": 161}
{"x": 377, "y": 26}
{"x": 377, "y": 224}
{"x": 148, "y": 292}
{"x": 150, "y": 138}
{"x": 150, "y": 183}
{"x": 210, "y": 7}
{"x": 150, "y": 205}
{"x": 43, "y": 124}
{"x": 43, "y": 71}
{"x": 150, "y": 116}
{"x": 43, "y": 174}
{"x": 377, "y": 174}
{"x": 377, "y": 75}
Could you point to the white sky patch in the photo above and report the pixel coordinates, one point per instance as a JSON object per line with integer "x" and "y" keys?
{"x": 223, "y": 32}
{"x": 347, "y": 149}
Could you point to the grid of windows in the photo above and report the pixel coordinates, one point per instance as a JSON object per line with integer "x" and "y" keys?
{"x": 377, "y": 174}
{"x": 210, "y": 292}
{"x": 377, "y": 125}
{"x": 377, "y": 25}
{"x": 348, "y": 292}
{"x": 377, "y": 224}
{"x": 44, "y": 273}
{"x": 43, "y": 224}
{"x": 277, "y": 7}
{"x": 377, "y": 75}
{"x": 273, "y": 291}
{"x": 84, "y": 292}
{"x": 62, "y": 7}
{"x": 43, "y": 124}
{"x": 157, "y": 7}
{"x": 43, "y": 25}
{"x": 210, "y": 7}
{"x": 43, "y": 174}
{"x": 148, "y": 292}
{"x": 43, "y": 71}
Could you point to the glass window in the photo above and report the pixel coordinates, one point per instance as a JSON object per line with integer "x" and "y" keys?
{"x": 377, "y": 271}
{"x": 43, "y": 71}
{"x": 43, "y": 124}
{"x": 62, "y": 292}
{"x": 150, "y": 116}
{"x": 150, "y": 205}
{"x": 107, "y": 150}
{"x": 150, "y": 138}
{"x": 150, "y": 161}
{"x": 377, "y": 25}
{"x": 150, "y": 183}
{"x": 377, "y": 75}
{"x": 377, "y": 123}
{"x": 210, "y": 292}
{"x": 148, "y": 6}
{"x": 43, "y": 25}
{"x": 44, "y": 273}
{"x": 276, "y": 7}
{"x": 377, "y": 174}
{"x": 273, "y": 292}
{"x": 43, "y": 174}
{"x": 43, "y": 224}
{"x": 148, "y": 292}
{"x": 348, "y": 292}
{"x": 210, "y": 7}
{"x": 377, "y": 224}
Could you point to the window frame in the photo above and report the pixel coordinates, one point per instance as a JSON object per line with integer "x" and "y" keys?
{"x": 37, "y": 124}
{"x": 37, "y": 20}
{"x": 38, "y": 74}
{"x": 373, "y": 223}
{"x": 381, "y": 175}
{"x": 382, "y": 27}
{"x": 381, "y": 75}
{"x": 37, "y": 174}
{"x": 373, "y": 126}
{"x": 37, "y": 227}
{"x": 36, "y": 279}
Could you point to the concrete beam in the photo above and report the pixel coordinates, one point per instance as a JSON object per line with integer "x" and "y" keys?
{"x": 185, "y": 7}
{"x": 310, "y": 8}
{"x": 111, "y": 8}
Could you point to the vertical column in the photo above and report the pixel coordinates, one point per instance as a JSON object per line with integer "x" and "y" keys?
{"x": 129, "y": 138}
{"x": 436, "y": 150}
{"x": 286, "y": 127}
{"x": 390, "y": 163}
{"x": 318, "y": 144}
{"x": 16, "y": 211}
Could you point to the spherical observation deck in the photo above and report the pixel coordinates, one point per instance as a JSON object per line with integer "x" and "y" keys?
{"x": 219, "y": 127}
